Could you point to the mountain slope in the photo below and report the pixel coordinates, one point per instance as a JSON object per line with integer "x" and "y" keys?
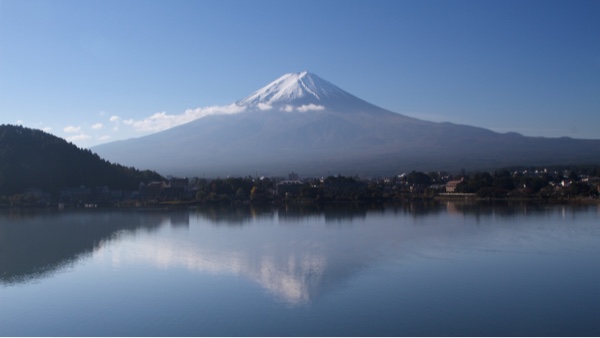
{"x": 34, "y": 159}
{"x": 303, "y": 92}
{"x": 303, "y": 123}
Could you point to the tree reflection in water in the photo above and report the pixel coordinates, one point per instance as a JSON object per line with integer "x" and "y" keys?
{"x": 291, "y": 265}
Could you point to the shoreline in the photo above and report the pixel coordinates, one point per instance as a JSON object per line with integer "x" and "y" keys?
{"x": 440, "y": 198}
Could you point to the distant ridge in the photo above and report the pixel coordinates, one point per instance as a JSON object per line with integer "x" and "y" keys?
{"x": 302, "y": 123}
{"x": 32, "y": 158}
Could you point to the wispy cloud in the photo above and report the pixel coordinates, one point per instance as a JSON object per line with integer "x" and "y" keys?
{"x": 161, "y": 121}
{"x": 302, "y": 109}
{"x": 264, "y": 106}
{"x": 97, "y": 126}
{"x": 78, "y": 137}
{"x": 115, "y": 121}
{"x": 72, "y": 129}
{"x": 310, "y": 107}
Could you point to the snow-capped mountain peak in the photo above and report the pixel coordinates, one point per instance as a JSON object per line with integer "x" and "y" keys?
{"x": 297, "y": 89}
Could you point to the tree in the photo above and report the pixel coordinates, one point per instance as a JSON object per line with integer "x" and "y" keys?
{"x": 419, "y": 178}
{"x": 32, "y": 158}
{"x": 573, "y": 177}
{"x": 475, "y": 182}
{"x": 240, "y": 194}
{"x": 503, "y": 180}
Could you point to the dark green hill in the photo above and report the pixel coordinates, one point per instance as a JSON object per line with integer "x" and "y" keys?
{"x": 32, "y": 158}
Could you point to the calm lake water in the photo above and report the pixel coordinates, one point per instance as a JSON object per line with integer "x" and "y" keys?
{"x": 440, "y": 269}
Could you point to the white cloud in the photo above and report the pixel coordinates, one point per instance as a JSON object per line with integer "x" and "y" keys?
{"x": 72, "y": 129}
{"x": 264, "y": 106}
{"x": 79, "y": 137}
{"x": 47, "y": 129}
{"x": 310, "y": 107}
{"x": 97, "y": 126}
{"x": 161, "y": 121}
{"x": 303, "y": 109}
{"x": 115, "y": 120}
{"x": 20, "y": 122}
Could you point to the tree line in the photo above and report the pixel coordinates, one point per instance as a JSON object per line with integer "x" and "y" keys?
{"x": 542, "y": 185}
{"x": 32, "y": 158}
{"x": 519, "y": 184}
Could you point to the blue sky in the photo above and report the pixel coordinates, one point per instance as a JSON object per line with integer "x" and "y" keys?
{"x": 87, "y": 70}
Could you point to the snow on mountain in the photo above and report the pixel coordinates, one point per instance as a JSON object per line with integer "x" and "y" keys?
{"x": 302, "y": 92}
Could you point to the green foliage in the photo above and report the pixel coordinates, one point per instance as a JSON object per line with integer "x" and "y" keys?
{"x": 312, "y": 193}
{"x": 555, "y": 183}
{"x": 581, "y": 189}
{"x": 419, "y": 178}
{"x": 343, "y": 188}
{"x": 475, "y": 182}
{"x": 503, "y": 180}
{"x": 224, "y": 190}
{"x": 34, "y": 159}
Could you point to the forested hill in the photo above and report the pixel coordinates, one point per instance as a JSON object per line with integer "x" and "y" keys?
{"x": 32, "y": 158}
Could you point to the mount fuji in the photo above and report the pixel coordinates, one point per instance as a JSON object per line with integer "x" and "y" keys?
{"x": 303, "y": 92}
{"x": 303, "y": 123}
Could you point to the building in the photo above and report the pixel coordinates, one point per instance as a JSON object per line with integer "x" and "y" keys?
{"x": 451, "y": 186}
{"x": 152, "y": 189}
{"x": 289, "y": 187}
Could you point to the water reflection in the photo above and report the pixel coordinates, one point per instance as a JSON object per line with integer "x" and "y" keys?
{"x": 293, "y": 277}
{"x": 244, "y": 214}
{"x": 294, "y": 252}
{"x": 240, "y": 215}
{"x": 34, "y": 244}
{"x": 235, "y": 215}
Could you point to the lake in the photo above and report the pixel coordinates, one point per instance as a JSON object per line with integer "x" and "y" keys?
{"x": 468, "y": 269}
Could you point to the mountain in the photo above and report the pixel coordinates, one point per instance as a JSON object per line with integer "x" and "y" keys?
{"x": 303, "y": 92}
{"x": 31, "y": 158}
{"x": 303, "y": 123}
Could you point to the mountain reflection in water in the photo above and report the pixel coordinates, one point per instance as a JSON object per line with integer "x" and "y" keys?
{"x": 293, "y": 266}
